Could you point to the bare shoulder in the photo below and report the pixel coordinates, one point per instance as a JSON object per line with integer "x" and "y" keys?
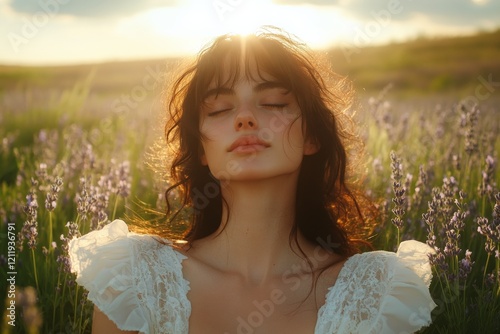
{"x": 328, "y": 275}
{"x": 102, "y": 324}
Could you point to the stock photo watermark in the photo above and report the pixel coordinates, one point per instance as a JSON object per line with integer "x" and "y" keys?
{"x": 31, "y": 26}
{"x": 482, "y": 92}
{"x": 373, "y": 28}
{"x": 11, "y": 274}
{"x": 223, "y": 7}
{"x": 151, "y": 80}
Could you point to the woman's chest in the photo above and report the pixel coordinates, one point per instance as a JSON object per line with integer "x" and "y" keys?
{"x": 229, "y": 309}
{"x": 222, "y": 303}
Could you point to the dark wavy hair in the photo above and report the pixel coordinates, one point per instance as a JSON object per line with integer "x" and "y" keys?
{"x": 328, "y": 206}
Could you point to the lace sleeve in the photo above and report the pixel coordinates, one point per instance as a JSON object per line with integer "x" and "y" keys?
{"x": 407, "y": 306}
{"x": 380, "y": 292}
{"x": 102, "y": 261}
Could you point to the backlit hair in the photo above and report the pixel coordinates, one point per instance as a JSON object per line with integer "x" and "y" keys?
{"x": 327, "y": 205}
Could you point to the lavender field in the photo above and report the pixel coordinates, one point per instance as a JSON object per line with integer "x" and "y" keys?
{"x": 76, "y": 155}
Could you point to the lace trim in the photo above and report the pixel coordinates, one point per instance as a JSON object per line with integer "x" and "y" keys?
{"x": 162, "y": 288}
{"x": 379, "y": 292}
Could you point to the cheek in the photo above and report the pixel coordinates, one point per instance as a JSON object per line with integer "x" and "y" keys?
{"x": 211, "y": 129}
{"x": 294, "y": 136}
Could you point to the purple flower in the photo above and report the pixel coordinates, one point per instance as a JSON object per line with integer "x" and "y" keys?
{"x": 469, "y": 123}
{"x": 29, "y": 230}
{"x": 491, "y": 229}
{"x": 488, "y": 183}
{"x": 52, "y": 195}
{"x": 399, "y": 198}
{"x": 465, "y": 265}
{"x": 63, "y": 259}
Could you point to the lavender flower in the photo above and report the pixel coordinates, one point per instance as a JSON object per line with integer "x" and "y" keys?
{"x": 123, "y": 179}
{"x": 63, "y": 259}
{"x": 399, "y": 198}
{"x": 469, "y": 122}
{"x": 52, "y": 195}
{"x": 429, "y": 218}
{"x": 496, "y": 215}
{"x": 100, "y": 204}
{"x": 420, "y": 186}
{"x": 488, "y": 183}
{"x": 41, "y": 172}
{"x": 484, "y": 228}
{"x": 438, "y": 260}
{"x": 84, "y": 200}
{"x": 407, "y": 184}
{"x": 465, "y": 266}
{"x": 455, "y": 162}
{"x": 453, "y": 228}
{"x": 491, "y": 230}
{"x": 447, "y": 197}
{"x": 29, "y": 230}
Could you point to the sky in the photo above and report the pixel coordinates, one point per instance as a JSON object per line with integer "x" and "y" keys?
{"x": 53, "y": 32}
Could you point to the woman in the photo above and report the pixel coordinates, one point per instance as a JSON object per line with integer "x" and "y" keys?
{"x": 261, "y": 137}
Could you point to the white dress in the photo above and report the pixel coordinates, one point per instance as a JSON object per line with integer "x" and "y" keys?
{"x": 138, "y": 283}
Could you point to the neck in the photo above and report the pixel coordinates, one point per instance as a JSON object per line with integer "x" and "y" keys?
{"x": 254, "y": 237}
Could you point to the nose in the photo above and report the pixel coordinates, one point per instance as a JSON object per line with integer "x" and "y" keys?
{"x": 245, "y": 120}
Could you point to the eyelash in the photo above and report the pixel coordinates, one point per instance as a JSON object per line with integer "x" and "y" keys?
{"x": 215, "y": 113}
{"x": 271, "y": 106}
{"x": 276, "y": 106}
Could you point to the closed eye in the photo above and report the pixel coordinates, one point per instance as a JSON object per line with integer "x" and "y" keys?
{"x": 217, "y": 112}
{"x": 279, "y": 106}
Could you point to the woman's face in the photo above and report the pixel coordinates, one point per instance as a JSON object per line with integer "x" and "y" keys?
{"x": 252, "y": 131}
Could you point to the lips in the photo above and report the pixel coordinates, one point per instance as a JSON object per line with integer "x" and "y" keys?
{"x": 248, "y": 143}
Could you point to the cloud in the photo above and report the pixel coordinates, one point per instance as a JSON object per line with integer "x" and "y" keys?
{"x": 88, "y": 8}
{"x": 445, "y": 11}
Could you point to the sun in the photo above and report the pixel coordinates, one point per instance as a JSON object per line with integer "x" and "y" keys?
{"x": 242, "y": 17}
{"x": 194, "y": 23}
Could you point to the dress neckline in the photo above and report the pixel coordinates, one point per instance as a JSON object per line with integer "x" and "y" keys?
{"x": 331, "y": 290}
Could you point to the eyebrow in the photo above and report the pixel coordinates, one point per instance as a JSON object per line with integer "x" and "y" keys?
{"x": 258, "y": 88}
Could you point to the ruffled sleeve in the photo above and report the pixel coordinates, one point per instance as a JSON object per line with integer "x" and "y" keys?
{"x": 407, "y": 306}
{"x": 380, "y": 293}
{"x": 103, "y": 261}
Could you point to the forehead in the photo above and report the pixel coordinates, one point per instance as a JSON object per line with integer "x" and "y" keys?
{"x": 256, "y": 87}
{"x": 247, "y": 72}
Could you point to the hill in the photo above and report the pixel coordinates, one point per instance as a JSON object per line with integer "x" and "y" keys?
{"x": 418, "y": 67}
{"x": 423, "y": 66}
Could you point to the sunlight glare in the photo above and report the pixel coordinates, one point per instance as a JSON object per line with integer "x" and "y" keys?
{"x": 246, "y": 19}
{"x": 194, "y": 23}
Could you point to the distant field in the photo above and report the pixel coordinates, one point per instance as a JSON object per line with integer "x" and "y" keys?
{"x": 419, "y": 67}
{"x": 425, "y": 66}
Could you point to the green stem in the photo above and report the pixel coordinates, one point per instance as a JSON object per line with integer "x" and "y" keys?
{"x": 50, "y": 232}
{"x": 399, "y": 232}
{"x": 57, "y": 293}
{"x": 485, "y": 268}
{"x": 81, "y": 318}
{"x": 34, "y": 269}
{"x": 497, "y": 273}
{"x": 442, "y": 289}
{"x": 76, "y": 302}
{"x": 62, "y": 300}
{"x": 456, "y": 270}
{"x": 115, "y": 207}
